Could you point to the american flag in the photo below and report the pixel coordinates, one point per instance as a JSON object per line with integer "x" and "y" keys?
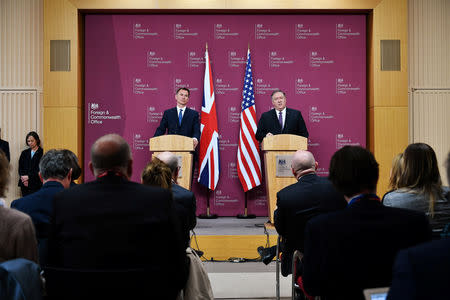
{"x": 209, "y": 139}
{"x": 249, "y": 162}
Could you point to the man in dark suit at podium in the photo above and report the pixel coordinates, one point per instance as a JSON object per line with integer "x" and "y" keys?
{"x": 180, "y": 120}
{"x": 4, "y": 146}
{"x": 280, "y": 119}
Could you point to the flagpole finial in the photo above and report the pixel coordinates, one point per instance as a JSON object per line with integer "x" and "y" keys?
{"x": 248, "y": 46}
{"x": 206, "y": 46}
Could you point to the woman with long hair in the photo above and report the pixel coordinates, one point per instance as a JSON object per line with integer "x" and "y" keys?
{"x": 396, "y": 172}
{"x": 420, "y": 187}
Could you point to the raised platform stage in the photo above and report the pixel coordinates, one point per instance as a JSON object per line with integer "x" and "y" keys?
{"x": 228, "y": 238}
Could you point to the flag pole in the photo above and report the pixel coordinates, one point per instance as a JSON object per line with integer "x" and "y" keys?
{"x": 245, "y": 215}
{"x": 207, "y": 215}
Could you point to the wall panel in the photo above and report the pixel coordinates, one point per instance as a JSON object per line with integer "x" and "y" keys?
{"x": 20, "y": 113}
{"x": 429, "y": 27}
{"x": 21, "y": 37}
{"x": 388, "y": 142}
{"x": 429, "y": 76}
{"x": 432, "y": 123}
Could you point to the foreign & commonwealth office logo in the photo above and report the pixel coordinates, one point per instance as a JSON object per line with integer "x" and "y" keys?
{"x": 94, "y": 106}
{"x": 282, "y": 162}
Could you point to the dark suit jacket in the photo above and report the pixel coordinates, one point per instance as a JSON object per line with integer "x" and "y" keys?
{"x": 190, "y": 125}
{"x": 113, "y": 223}
{"x": 353, "y": 249}
{"x": 294, "y": 124}
{"x": 296, "y": 204}
{"x": 4, "y": 146}
{"x": 30, "y": 166}
{"x": 39, "y": 206}
{"x": 422, "y": 272}
{"x": 185, "y": 206}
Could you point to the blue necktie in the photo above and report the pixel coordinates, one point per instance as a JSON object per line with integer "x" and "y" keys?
{"x": 180, "y": 116}
{"x": 280, "y": 119}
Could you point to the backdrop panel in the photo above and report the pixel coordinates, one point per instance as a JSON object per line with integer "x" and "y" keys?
{"x": 135, "y": 63}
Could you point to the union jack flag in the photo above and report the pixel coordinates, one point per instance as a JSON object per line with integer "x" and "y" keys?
{"x": 249, "y": 162}
{"x": 209, "y": 139}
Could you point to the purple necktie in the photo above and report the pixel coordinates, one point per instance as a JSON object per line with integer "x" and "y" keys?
{"x": 280, "y": 119}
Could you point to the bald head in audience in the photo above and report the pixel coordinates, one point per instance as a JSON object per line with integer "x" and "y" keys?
{"x": 111, "y": 153}
{"x": 171, "y": 160}
{"x": 303, "y": 163}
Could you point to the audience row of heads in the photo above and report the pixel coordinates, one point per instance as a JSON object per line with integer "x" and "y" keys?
{"x": 416, "y": 169}
{"x": 61, "y": 165}
{"x": 353, "y": 170}
{"x": 111, "y": 153}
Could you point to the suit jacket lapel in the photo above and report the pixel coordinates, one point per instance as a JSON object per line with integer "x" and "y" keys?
{"x": 277, "y": 122}
{"x": 175, "y": 115}
{"x": 185, "y": 115}
{"x": 288, "y": 114}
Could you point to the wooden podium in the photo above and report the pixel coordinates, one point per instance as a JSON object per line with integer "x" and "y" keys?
{"x": 278, "y": 151}
{"x": 182, "y": 147}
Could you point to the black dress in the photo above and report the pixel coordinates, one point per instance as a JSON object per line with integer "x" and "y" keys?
{"x": 30, "y": 166}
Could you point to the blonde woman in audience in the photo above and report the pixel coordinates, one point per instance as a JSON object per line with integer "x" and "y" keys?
{"x": 17, "y": 235}
{"x": 420, "y": 187}
{"x": 157, "y": 173}
{"x": 396, "y": 172}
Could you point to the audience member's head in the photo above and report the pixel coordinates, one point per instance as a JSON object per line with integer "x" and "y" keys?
{"x": 73, "y": 161}
{"x": 111, "y": 153}
{"x": 4, "y": 174}
{"x": 353, "y": 171}
{"x": 171, "y": 160}
{"x": 303, "y": 163}
{"x": 421, "y": 172}
{"x": 396, "y": 171}
{"x": 54, "y": 166}
{"x": 157, "y": 173}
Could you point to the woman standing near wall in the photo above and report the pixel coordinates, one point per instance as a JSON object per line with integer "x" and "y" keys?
{"x": 29, "y": 180}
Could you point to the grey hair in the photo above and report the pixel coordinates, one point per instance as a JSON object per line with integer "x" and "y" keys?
{"x": 54, "y": 164}
{"x": 169, "y": 159}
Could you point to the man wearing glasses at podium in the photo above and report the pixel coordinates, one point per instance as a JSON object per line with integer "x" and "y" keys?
{"x": 181, "y": 119}
{"x": 280, "y": 119}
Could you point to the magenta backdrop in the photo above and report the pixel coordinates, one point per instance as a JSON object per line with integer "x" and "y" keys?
{"x": 134, "y": 64}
